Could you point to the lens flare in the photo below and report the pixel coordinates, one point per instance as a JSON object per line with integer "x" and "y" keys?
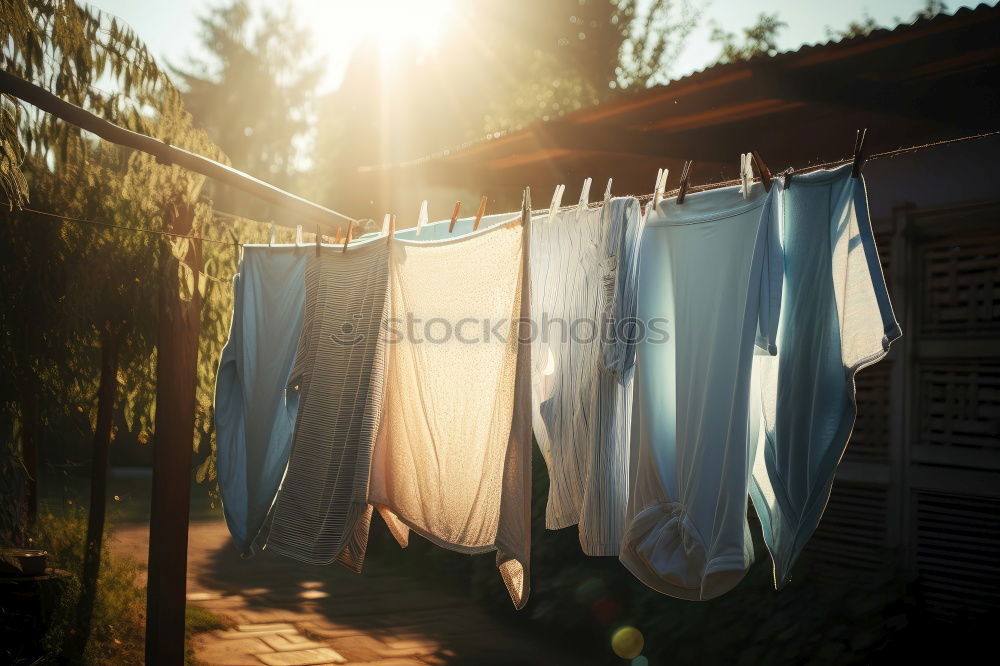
{"x": 627, "y": 642}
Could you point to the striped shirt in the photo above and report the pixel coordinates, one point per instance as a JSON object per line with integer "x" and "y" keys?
{"x": 322, "y": 512}
{"x": 583, "y": 298}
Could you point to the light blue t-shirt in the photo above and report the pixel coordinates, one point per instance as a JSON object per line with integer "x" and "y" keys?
{"x": 254, "y": 415}
{"x": 709, "y": 293}
{"x": 835, "y": 319}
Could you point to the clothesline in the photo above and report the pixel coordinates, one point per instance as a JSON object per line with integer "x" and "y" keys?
{"x": 813, "y": 167}
{"x": 644, "y": 197}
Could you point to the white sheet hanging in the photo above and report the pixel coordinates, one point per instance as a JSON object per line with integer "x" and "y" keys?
{"x": 453, "y": 457}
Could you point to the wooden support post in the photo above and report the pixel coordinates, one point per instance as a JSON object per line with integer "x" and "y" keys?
{"x": 176, "y": 381}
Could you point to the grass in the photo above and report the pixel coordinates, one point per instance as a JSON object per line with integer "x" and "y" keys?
{"x": 128, "y": 494}
{"x": 118, "y": 623}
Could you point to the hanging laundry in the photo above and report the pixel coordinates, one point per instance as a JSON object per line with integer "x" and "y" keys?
{"x": 583, "y": 280}
{"x": 254, "y": 415}
{"x": 836, "y": 318}
{"x": 567, "y": 281}
{"x": 709, "y": 289}
{"x": 605, "y": 499}
{"x": 453, "y": 456}
{"x": 321, "y": 512}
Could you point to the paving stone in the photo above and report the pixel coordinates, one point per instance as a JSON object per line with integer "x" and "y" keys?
{"x": 381, "y": 618}
{"x": 329, "y": 630}
{"x": 203, "y": 596}
{"x": 283, "y": 642}
{"x": 228, "y": 653}
{"x": 360, "y": 647}
{"x": 425, "y": 644}
{"x": 257, "y": 613}
{"x": 223, "y": 603}
{"x": 302, "y": 657}
{"x": 313, "y": 594}
{"x": 236, "y": 634}
{"x": 395, "y": 661}
{"x": 275, "y": 626}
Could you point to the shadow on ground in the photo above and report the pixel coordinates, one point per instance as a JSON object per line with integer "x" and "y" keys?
{"x": 383, "y": 615}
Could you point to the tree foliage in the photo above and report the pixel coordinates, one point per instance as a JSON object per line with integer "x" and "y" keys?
{"x": 867, "y": 24}
{"x": 505, "y": 64}
{"x": 254, "y": 95}
{"x": 758, "y": 39}
{"x": 63, "y": 282}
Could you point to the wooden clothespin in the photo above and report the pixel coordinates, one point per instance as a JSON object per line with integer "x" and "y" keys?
{"x": 859, "y": 153}
{"x": 422, "y": 216}
{"x": 318, "y": 239}
{"x": 337, "y": 237}
{"x": 270, "y": 235}
{"x": 765, "y": 173}
{"x": 480, "y": 212}
{"x": 789, "y": 172}
{"x": 660, "y": 187}
{"x": 385, "y": 224}
{"x": 746, "y": 175}
{"x": 298, "y": 235}
{"x": 556, "y": 201}
{"x": 454, "y": 216}
{"x": 685, "y": 180}
{"x": 392, "y": 229}
{"x": 236, "y": 247}
{"x": 526, "y": 206}
{"x": 607, "y": 192}
{"x": 585, "y": 194}
{"x": 347, "y": 237}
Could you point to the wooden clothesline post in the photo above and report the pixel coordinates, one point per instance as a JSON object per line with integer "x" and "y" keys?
{"x": 177, "y": 358}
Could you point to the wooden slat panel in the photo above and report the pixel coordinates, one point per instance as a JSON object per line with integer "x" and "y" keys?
{"x": 870, "y": 439}
{"x": 957, "y": 550}
{"x": 959, "y": 413}
{"x": 960, "y": 291}
{"x": 852, "y": 535}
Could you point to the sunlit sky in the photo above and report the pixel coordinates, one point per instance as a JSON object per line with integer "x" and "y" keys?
{"x": 170, "y": 27}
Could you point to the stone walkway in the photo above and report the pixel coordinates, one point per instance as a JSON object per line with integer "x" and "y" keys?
{"x": 292, "y": 614}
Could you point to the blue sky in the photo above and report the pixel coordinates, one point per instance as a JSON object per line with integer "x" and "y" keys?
{"x": 169, "y": 27}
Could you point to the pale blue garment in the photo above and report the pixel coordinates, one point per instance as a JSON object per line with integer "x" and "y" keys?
{"x": 567, "y": 284}
{"x": 254, "y": 416}
{"x": 709, "y": 294}
{"x": 606, "y": 483}
{"x": 582, "y": 303}
{"x": 835, "y": 319}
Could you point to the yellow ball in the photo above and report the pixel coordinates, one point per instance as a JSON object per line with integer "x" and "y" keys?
{"x": 627, "y": 642}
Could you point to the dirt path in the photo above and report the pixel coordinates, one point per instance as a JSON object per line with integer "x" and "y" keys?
{"x": 292, "y": 614}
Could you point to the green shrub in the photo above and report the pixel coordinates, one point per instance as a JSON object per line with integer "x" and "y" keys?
{"x": 119, "y": 622}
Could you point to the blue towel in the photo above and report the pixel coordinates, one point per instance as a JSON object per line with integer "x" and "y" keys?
{"x": 254, "y": 411}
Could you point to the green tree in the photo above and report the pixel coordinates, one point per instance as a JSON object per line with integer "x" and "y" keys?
{"x": 66, "y": 48}
{"x": 867, "y": 24}
{"x": 526, "y": 61}
{"x": 82, "y": 308}
{"x": 759, "y": 39}
{"x": 254, "y": 96}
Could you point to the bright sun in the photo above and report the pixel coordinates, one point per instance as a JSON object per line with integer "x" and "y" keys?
{"x": 398, "y": 22}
